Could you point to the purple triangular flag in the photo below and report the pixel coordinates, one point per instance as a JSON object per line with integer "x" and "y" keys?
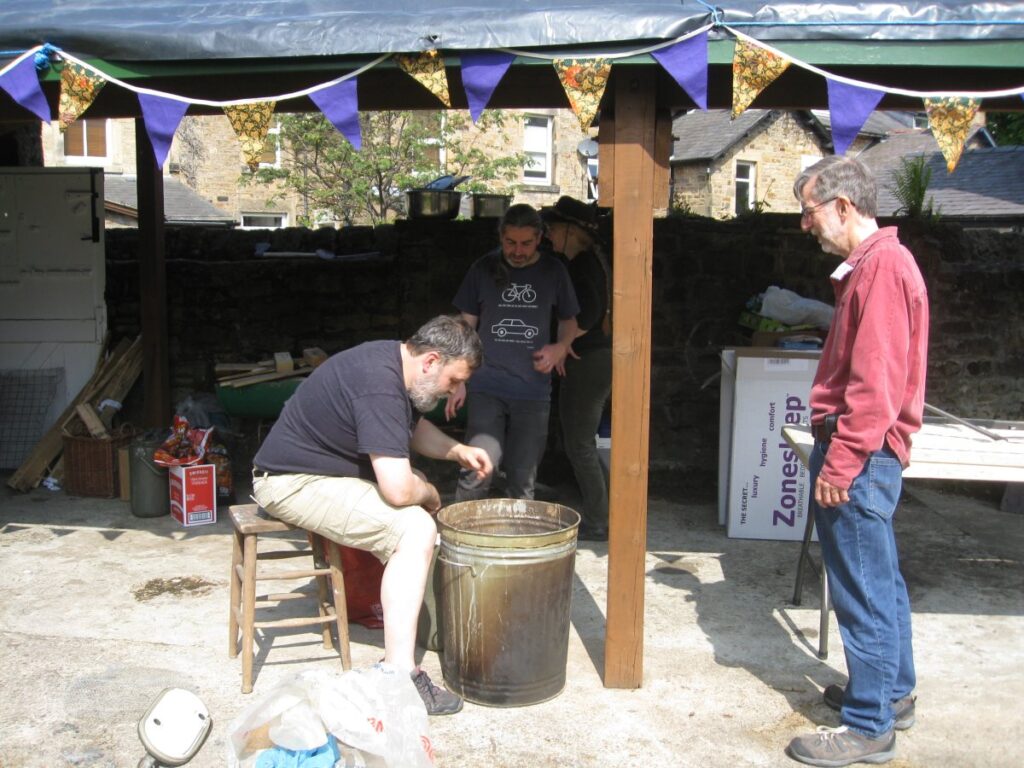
{"x": 849, "y": 107}
{"x": 340, "y": 105}
{"x": 481, "y": 73}
{"x": 687, "y": 62}
{"x": 22, "y": 83}
{"x": 161, "y": 116}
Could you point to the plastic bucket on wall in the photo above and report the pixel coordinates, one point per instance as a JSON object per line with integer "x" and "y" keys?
{"x": 506, "y": 570}
{"x": 150, "y": 496}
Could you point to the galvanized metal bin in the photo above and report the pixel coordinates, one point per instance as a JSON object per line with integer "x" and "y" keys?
{"x": 506, "y": 570}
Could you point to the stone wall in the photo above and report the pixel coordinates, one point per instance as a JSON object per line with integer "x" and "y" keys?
{"x": 226, "y": 304}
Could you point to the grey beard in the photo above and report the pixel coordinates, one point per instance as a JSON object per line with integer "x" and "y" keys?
{"x": 424, "y": 401}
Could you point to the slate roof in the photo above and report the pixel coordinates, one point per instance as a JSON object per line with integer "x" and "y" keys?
{"x": 181, "y": 204}
{"x": 878, "y": 124}
{"x": 698, "y": 135}
{"x": 988, "y": 181}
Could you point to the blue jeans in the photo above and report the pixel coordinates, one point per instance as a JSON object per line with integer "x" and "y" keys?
{"x": 514, "y": 433}
{"x": 858, "y": 548}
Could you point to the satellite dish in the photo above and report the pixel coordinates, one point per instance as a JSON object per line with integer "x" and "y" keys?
{"x": 587, "y": 148}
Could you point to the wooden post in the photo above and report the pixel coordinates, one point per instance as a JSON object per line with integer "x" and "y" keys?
{"x": 633, "y": 193}
{"x": 152, "y": 282}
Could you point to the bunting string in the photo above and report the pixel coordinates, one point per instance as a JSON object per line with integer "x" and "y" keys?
{"x": 1017, "y": 91}
{"x": 683, "y": 57}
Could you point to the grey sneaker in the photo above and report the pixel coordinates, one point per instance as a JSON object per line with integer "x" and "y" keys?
{"x": 836, "y": 747}
{"x": 902, "y": 709}
{"x": 437, "y": 700}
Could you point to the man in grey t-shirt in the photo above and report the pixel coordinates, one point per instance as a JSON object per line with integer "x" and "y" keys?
{"x": 511, "y": 296}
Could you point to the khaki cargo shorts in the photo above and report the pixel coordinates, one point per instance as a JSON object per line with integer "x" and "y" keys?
{"x": 346, "y": 510}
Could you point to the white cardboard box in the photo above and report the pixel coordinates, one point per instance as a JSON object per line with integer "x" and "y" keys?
{"x": 193, "y": 493}
{"x": 767, "y": 486}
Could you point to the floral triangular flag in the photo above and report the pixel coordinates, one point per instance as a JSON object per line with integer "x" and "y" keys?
{"x": 428, "y": 70}
{"x": 78, "y": 89}
{"x": 849, "y": 108}
{"x": 584, "y": 81}
{"x": 753, "y": 69}
{"x": 251, "y": 123}
{"x": 21, "y": 82}
{"x": 950, "y": 119}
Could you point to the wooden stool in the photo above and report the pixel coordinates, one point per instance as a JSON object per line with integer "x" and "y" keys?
{"x": 249, "y": 521}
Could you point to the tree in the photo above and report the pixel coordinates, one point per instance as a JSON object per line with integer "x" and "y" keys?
{"x": 1006, "y": 127}
{"x": 400, "y": 151}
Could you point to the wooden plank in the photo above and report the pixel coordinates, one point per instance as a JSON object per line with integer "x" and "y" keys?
{"x": 946, "y": 452}
{"x": 118, "y": 379}
{"x": 91, "y": 419}
{"x": 242, "y": 375}
{"x": 47, "y": 450}
{"x": 226, "y": 369}
{"x": 246, "y": 381}
{"x": 633, "y": 247}
{"x": 313, "y": 356}
{"x": 283, "y": 362}
{"x": 606, "y": 161}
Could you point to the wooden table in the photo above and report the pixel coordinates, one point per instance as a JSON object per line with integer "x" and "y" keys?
{"x": 942, "y": 450}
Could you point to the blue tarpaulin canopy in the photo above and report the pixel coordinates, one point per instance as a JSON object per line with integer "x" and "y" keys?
{"x": 158, "y": 30}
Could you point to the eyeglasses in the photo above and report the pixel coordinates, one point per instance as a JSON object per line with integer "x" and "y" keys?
{"x": 810, "y": 209}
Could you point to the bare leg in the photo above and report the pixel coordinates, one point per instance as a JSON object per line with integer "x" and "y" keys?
{"x": 401, "y": 589}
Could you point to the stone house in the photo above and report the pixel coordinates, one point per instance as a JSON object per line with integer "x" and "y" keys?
{"x": 206, "y": 157}
{"x": 723, "y": 167}
{"x": 110, "y": 145}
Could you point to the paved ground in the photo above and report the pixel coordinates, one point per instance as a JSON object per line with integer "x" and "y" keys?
{"x": 102, "y": 610}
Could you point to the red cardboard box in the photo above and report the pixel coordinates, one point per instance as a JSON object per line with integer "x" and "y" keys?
{"x": 193, "y": 494}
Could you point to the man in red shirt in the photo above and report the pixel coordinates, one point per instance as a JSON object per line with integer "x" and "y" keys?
{"x": 866, "y": 401}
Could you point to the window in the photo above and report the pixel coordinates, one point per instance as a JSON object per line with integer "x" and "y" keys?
{"x": 806, "y": 161}
{"x": 86, "y": 139}
{"x": 746, "y": 186}
{"x": 537, "y": 148}
{"x": 264, "y": 220}
{"x": 271, "y": 157}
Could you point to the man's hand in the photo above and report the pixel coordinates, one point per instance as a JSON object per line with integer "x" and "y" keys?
{"x": 828, "y": 495}
{"x": 431, "y": 499}
{"x": 455, "y": 401}
{"x": 548, "y": 357}
{"x": 560, "y": 368}
{"x": 472, "y": 458}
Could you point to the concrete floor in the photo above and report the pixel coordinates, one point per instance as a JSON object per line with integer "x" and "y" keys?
{"x": 93, "y": 626}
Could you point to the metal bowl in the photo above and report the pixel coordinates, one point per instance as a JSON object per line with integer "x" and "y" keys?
{"x": 486, "y": 206}
{"x": 432, "y": 203}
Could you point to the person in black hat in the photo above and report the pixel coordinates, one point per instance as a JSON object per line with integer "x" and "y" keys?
{"x": 573, "y": 232}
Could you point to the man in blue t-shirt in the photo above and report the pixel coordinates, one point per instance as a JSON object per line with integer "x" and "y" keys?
{"x": 511, "y": 296}
{"x": 337, "y": 463}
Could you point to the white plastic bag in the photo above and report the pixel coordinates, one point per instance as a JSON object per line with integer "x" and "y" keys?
{"x": 375, "y": 714}
{"x": 792, "y": 309}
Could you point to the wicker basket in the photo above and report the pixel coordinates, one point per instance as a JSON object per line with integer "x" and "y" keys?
{"x": 90, "y": 464}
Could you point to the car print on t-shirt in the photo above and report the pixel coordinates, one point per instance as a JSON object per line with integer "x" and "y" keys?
{"x": 512, "y": 326}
